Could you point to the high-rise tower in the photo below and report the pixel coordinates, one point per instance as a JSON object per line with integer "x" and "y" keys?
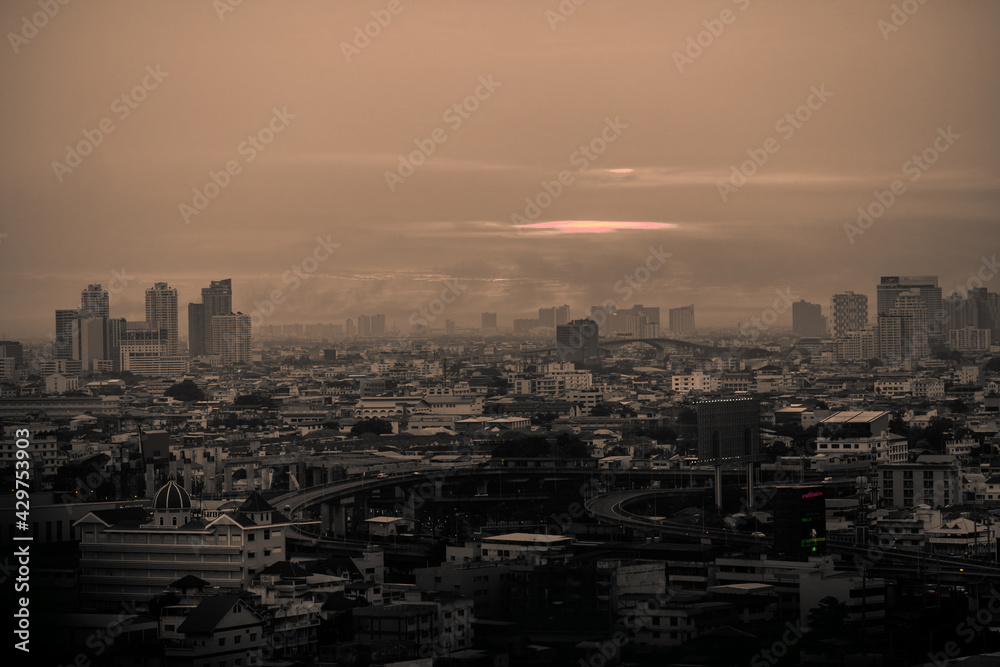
{"x": 891, "y": 287}
{"x": 216, "y": 299}
{"x": 850, "y": 312}
{"x": 95, "y": 299}
{"x": 161, "y": 311}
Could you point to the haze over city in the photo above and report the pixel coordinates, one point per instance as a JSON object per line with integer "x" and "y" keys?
{"x": 534, "y": 333}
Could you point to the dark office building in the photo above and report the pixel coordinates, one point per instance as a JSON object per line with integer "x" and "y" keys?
{"x": 196, "y": 330}
{"x": 577, "y": 341}
{"x": 216, "y": 299}
{"x": 800, "y": 521}
{"x": 808, "y": 320}
{"x": 12, "y": 349}
{"x": 682, "y": 320}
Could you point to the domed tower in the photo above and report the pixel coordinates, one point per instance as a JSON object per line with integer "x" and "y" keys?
{"x": 171, "y": 506}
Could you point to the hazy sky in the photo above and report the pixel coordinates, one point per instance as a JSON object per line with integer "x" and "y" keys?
{"x": 674, "y": 121}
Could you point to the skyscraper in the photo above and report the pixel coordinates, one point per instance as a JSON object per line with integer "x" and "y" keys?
{"x": 902, "y": 330}
{"x": 636, "y": 322}
{"x": 13, "y": 349}
{"x": 561, "y": 315}
{"x": 232, "y": 338}
{"x": 983, "y": 311}
{"x": 89, "y": 340}
{"x": 196, "y": 330}
{"x": 891, "y": 287}
{"x": 66, "y": 323}
{"x": 576, "y": 341}
{"x": 364, "y": 326}
{"x": 956, "y": 312}
{"x": 850, "y": 312}
{"x": 682, "y": 320}
{"x": 489, "y": 320}
{"x": 216, "y": 299}
{"x": 378, "y": 324}
{"x": 95, "y": 299}
{"x": 141, "y": 346}
{"x": 161, "y": 311}
{"x": 807, "y": 319}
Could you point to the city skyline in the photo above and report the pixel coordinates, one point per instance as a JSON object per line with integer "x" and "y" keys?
{"x": 505, "y": 320}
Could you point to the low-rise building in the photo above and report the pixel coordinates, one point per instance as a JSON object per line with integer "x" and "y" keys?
{"x": 933, "y": 480}
{"x": 865, "y": 434}
{"x": 133, "y": 554}
{"x": 535, "y": 547}
{"x": 222, "y": 631}
{"x": 963, "y": 538}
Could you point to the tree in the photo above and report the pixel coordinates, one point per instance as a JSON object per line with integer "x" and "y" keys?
{"x": 370, "y": 425}
{"x": 687, "y": 416}
{"x": 958, "y": 406}
{"x": 898, "y": 426}
{"x": 993, "y": 365}
{"x": 937, "y": 432}
{"x": 662, "y": 434}
{"x": 256, "y": 399}
{"x": 498, "y": 382}
{"x": 544, "y": 418}
{"x": 945, "y": 353}
{"x": 776, "y": 450}
{"x": 186, "y": 391}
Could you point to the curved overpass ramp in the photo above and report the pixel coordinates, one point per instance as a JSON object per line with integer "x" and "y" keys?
{"x": 611, "y": 509}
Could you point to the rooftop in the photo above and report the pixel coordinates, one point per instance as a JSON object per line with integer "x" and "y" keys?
{"x": 528, "y": 538}
{"x": 853, "y": 417}
{"x": 209, "y": 613}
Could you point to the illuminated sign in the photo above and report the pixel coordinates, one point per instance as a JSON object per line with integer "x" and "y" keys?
{"x": 814, "y": 494}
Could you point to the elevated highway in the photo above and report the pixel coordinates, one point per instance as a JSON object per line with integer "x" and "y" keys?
{"x": 912, "y": 567}
{"x": 610, "y": 509}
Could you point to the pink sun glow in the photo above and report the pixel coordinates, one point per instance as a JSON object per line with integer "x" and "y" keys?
{"x": 593, "y": 226}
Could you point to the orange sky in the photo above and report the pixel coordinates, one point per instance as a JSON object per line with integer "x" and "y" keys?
{"x": 611, "y": 115}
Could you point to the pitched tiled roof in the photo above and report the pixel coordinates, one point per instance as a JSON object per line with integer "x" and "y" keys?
{"x": 189, "y": 581}
{"x": 256, "y": 503}
{"x": 242, "y": 519}
{"x": 209, "y": 613}
{"x": 286, "y": 569}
